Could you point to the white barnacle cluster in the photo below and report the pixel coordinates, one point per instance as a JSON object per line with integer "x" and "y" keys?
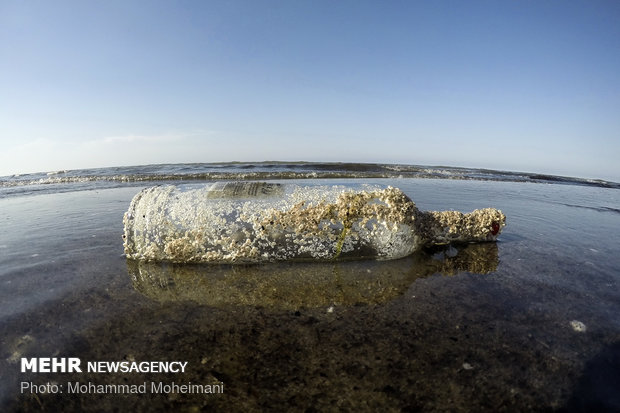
{"x": 372, "y": 223}
{"x": 444, "y": 227}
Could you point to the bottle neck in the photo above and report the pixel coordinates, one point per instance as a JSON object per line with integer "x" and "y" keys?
{"x": 444, "y": 227}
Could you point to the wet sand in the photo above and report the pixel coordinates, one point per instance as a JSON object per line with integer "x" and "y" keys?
{"x": 434, "y": 333}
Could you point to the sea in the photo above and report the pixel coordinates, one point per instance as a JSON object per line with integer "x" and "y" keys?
{"x": 528, "y": 323}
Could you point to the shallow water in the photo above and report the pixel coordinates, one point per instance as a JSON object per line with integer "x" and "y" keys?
{"x": 468, "y": 328}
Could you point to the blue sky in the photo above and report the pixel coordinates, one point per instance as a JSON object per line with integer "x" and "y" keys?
{"x": 516, "y": 85}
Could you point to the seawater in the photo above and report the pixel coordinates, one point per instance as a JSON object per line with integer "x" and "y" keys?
{"x": 69, "y": 180}
{"x": 387, "y": 335}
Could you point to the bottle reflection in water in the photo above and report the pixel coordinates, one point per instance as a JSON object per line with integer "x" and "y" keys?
{"x": 294, "y": 285}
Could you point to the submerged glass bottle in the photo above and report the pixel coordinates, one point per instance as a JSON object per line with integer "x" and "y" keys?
{"x": 248, "y": 222}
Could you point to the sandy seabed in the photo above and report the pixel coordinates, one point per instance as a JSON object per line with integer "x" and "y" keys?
{"x": 468, "y": 328}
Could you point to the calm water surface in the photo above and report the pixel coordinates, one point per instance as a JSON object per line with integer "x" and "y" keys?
{"x": 476, "y": 328}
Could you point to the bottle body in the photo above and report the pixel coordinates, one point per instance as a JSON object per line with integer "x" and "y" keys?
{"x": 249, "y": 222}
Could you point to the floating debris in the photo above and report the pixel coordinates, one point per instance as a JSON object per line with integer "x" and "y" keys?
{"x": 249, "y": 222}
{"x": 578, "y": 326}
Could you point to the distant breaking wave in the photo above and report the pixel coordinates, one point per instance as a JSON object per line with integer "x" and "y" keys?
{"x": 118, "y": 176}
